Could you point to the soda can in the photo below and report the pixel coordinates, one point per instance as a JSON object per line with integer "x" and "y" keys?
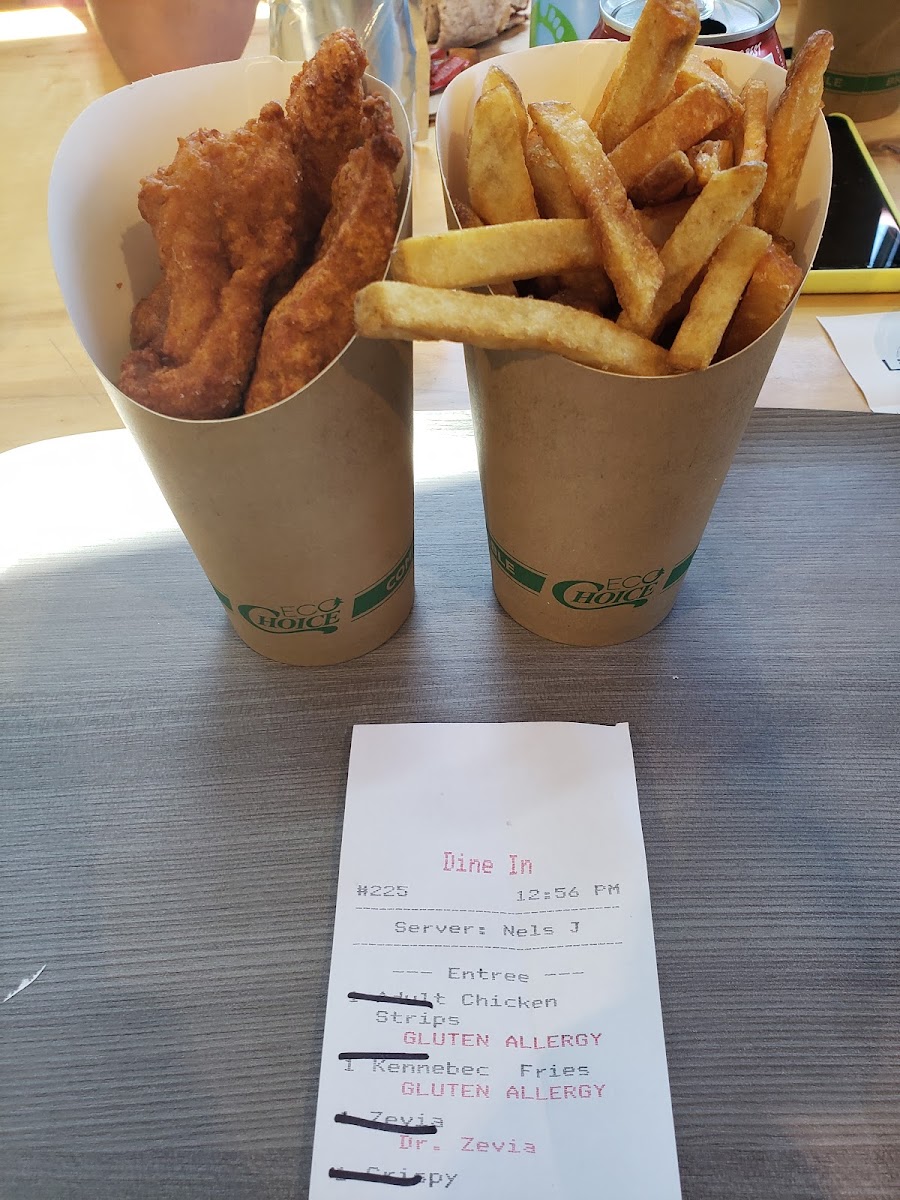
{"x": 562, "y": 21}
{"x": 746, "y": 25}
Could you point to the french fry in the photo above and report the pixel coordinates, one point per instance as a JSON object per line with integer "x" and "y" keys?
{"x": 709, "y": 157}
{"x": 468, "y": 219}
{"x": 792, "y": 127}
{"x": 551, "y": 187}
{"x": 755, "y": 97}
{"x": 771, "y": 289}
{"x": 666, "y": 181}
{"x": 404, "y": 311}
{"x": 660, "y": 41}
{"x": 499, "y": 185}
{"x": 678, "y": 126}
{"x": 555, "y": 200}
{"x": 659, "y": 222}
{"x": 495, "y": 253}
{"x": 717, "y": 297}
{"x": 695, "y": 71}
{"x": 628, "y": 256}
{"x": 611, "y": 84}
{"x": 497, "y": 78}
{"x": 717, "y": 65}
{"x": 717, "y": 209}
{"x": 572, "y": 298}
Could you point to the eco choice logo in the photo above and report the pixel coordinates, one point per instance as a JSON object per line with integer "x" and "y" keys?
{"x": 323, "y": 617}
{"x": 290, "y": 618}
{"x": 635, "y": 590}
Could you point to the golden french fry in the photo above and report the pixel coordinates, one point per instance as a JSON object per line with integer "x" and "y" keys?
{"x": 495, "y": 253}
{"x": 717, "y": 297}
{"x": 471, "y": 220}
{"x": 551, "y": 188}
{"x": 404, "y": 311}
{"x": 717, "y": 65}
{"x": 660, "y": 41}
{"x": 771, "y": 289}
{"x": 497, "y": 78}
{"x": 628, "y": 256}
{"x": 573, "y": 298}
{"x": 791, "y": 128}
{"x": 680, "y": 125}
{"x": 717, "y": 209}
{"x": 756, "y": 105}
{"x": 499, "y": 185}
{"x": 709, "y": 157}
{"x": 555, "y": 200}
{"x": 666, "y": 181}
{"x": 695, "y": 71}
{"x": 593, "y": 282}
{"x": 659, "y": 221}
{"x": 755, "y": 98}
{"x": 611, "y": 84}
{"x": 467, "y": 217}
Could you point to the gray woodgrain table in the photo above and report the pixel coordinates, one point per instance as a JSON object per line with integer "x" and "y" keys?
{"x": 172, "y": 806}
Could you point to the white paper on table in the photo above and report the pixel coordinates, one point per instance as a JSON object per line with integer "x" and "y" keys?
{"x": 493, "y": 883}
{"x": 869, "y": 346}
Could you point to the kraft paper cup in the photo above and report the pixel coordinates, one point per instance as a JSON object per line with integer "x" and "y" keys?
{"x": 301, "y": 515}
{"x": 597, "y": 487}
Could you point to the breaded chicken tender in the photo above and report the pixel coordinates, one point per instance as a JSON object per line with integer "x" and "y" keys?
{"x": 325, "y": 116}
{"x": 226, "y": 214}
{"x": 313, "y": 323}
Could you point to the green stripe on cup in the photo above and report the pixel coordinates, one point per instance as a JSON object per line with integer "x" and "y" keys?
{"x": 841, "y": 81}
{"x": 376, "y": 595}
{"x": 526, "y": 577}
{"x": 676, "y": 573}
{"x": 222, "y": 597}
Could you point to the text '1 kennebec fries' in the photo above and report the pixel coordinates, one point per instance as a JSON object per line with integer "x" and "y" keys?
{"x": 643, "y": 237}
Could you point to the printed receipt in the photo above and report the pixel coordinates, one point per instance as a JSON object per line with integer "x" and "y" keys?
{"x": 493, "y": 1025}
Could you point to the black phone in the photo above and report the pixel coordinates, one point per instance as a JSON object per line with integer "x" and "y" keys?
{"x": 860, "y": 247}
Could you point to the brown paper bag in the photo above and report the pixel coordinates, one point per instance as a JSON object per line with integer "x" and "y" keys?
{"x": 597, "y": 487}
{"x": 301, "y": 515}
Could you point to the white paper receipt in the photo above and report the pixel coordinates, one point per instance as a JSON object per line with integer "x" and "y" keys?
{"x": 493, "y": 1026}
{"x": 869, "y": 346}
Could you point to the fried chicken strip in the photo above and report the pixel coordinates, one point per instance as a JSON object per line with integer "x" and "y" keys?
{"x": 225, "y": 215}
{"x": 313, "y": 323}
{"x": 149, "y": 319}
{"x": 325, "y": 116}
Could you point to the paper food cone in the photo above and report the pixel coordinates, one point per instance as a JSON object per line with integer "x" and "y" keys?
{"x": 301, "y": 515}
{"x": 597, "y": 487}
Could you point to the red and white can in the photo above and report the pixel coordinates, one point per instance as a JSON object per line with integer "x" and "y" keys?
{"x": 747, "y": 25}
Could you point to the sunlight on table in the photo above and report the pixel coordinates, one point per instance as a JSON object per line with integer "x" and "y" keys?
{"x": 31, "y": 23}
{"x": 103, "y": 492}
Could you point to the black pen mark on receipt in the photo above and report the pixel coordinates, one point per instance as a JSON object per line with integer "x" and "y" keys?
{"x": 384, "y": 1126}
{"x": 366, "y": 1177}
{"x": 407, "y": 1055}
{"x": 389, "y": 999}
